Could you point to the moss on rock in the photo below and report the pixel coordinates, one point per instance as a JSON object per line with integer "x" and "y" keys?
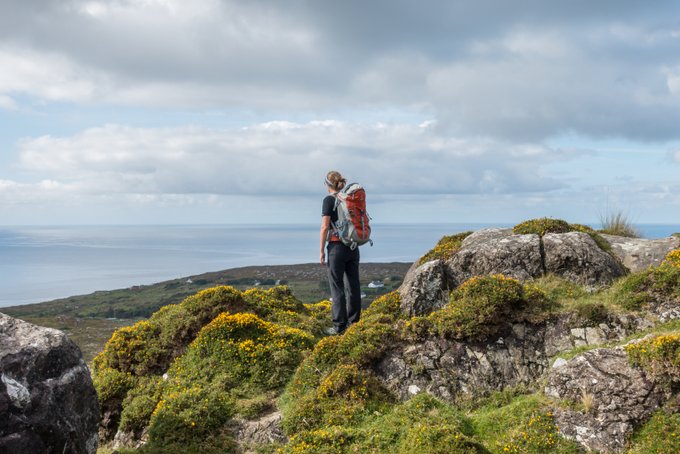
{"x": 541, "y": 226}
{"x": 445, "y": 248}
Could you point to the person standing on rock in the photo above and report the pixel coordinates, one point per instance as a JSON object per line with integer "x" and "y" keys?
{"x": 343, "y": 261}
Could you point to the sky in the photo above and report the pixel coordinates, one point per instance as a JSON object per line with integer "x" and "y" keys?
{"x": 218, "y": 111}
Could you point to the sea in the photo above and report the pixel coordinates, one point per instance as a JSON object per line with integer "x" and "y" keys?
{"x": 44, "y": 263}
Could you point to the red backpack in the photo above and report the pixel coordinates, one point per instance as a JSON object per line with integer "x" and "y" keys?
{"x": 353, "y": 226}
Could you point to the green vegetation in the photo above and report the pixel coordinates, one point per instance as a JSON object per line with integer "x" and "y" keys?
{"x": 654, "y": 284}
{"x": 479, "y": 307}
{"x": 659, "y": 356}
{"x": 618, "y": 224}
{"x": 192, "y": 369}
{"x": 189, "y": 369}
{"x": 660, "y": 435}
{"x": 541, "y": 226}
{"x": 445, "y": 248}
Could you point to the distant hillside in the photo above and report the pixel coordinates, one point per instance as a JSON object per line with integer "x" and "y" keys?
{"x": 89, "y": 320}
{"x": 308, "y": 281}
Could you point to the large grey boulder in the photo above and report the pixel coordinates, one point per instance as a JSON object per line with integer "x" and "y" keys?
{"x": 425, "y": 289}
{"x": 47, "y": 401}
{"x": 496, "y": 251}
{"x": 575, "y": 256}
{"x": 609, "y": 398}
{"x": 638, "y": 254}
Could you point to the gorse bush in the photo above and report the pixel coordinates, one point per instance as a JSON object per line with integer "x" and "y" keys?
{"x": 480, "y": 307}
{"x": 673, "y": 259}
{"x": 445, "y": 248}
{"x": 334, "y": 384}
{"x": 541, "y": 226}
{"x": 659, "y": 356}
{"x": 659, "y": 283}
{"x": 191, "y": 367}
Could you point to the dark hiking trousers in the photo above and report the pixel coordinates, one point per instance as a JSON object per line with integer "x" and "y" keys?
{"x": 343, "y": 275}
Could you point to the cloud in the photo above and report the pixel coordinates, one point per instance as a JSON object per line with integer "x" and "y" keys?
{"x": 284, "y": 158}
{"x": 518, "y": 72}
{"x": 7, "y": 103}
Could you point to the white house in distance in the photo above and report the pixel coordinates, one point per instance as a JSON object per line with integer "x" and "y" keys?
{"x": 376, "y": 284}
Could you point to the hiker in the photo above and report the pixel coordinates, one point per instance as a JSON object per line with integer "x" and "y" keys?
{"x": 343, "y": 261}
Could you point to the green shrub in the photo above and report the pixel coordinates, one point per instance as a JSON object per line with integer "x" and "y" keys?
{"x": 479, "y": 307}
{"x": 445, "y": 248}
{"x": 140, "y": 403}
{"x": 189, "y": 418}
{"x": 148, "y": 347}
{"x": 111, "y": 384}
{"x": 633, "y": 291}
{"x": 267, "y": 302}
{"x": 656, "y": 283}
{"x": 387, "y": 305}
{"x": 659, "y": 435}
{"x": 244, "y": 349}
{"x": 659, "y": 356}
{"x": 334, "y": 383}
{"x": 541, "y": 226}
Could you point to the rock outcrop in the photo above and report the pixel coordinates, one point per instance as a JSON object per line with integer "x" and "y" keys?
{"x": 454, "y": 370}
{"x": 574, "y": 256}
{"x": 266, "y": 429}
{"x": 496, "y": 251}
{"x": 609, "y": 398}
{"x": 638, "y": 254}
{"x": 47, "y": 401}
{"x": 602, "y": 398}
{"x": 425, "y": 289}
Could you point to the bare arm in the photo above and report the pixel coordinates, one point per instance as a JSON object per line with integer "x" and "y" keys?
{"x": 323, "y": 235}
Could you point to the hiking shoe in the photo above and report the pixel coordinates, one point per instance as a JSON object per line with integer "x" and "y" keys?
{"x": 332, "y": 331}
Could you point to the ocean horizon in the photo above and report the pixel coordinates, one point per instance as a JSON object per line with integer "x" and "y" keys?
{"x": 43, "y": 263}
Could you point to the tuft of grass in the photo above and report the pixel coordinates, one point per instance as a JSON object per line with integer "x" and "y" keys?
{"x": 618, "y": 224}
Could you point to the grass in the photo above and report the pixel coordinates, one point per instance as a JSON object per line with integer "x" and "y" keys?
{"x": 618, "y": 224}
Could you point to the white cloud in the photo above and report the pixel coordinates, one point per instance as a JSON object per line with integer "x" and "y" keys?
{"x": 521, "y": 72}
{"x": 284, "y": 158}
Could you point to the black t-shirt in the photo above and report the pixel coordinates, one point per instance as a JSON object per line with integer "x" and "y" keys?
{"x": 328, "y": 208}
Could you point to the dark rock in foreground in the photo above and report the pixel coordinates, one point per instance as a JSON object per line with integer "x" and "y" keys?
{"x": 47, "y": 401}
